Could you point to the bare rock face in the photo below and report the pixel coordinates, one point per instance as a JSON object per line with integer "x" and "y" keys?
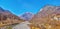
{"x": 46, "y": 15}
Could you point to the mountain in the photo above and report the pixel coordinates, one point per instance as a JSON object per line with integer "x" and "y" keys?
{"x": 48, "y": 14}
{"x": 6, "y": 17}
{"x": 27, "y": 16}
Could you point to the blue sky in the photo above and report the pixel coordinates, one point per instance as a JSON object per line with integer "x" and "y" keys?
{"x": 19, "y": 7}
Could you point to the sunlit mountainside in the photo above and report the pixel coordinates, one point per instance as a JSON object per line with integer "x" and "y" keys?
{"x": 8, "y": 18}
{"x": 48, "y": 16}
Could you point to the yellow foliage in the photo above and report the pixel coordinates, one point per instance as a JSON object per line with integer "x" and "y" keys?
{"x": 34, "y": 27}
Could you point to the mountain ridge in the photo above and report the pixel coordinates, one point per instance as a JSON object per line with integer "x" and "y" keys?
{"x": 8, "y": 18}
{"x": 46, "y": 15}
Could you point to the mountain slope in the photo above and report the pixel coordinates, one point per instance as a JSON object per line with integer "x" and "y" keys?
{"x": 46, "y": 15}
{"x": 6, "y": 17}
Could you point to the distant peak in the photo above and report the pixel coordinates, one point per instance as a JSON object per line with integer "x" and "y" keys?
{"x": 1, "y": 9}
{"x": 27, "y": 16}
